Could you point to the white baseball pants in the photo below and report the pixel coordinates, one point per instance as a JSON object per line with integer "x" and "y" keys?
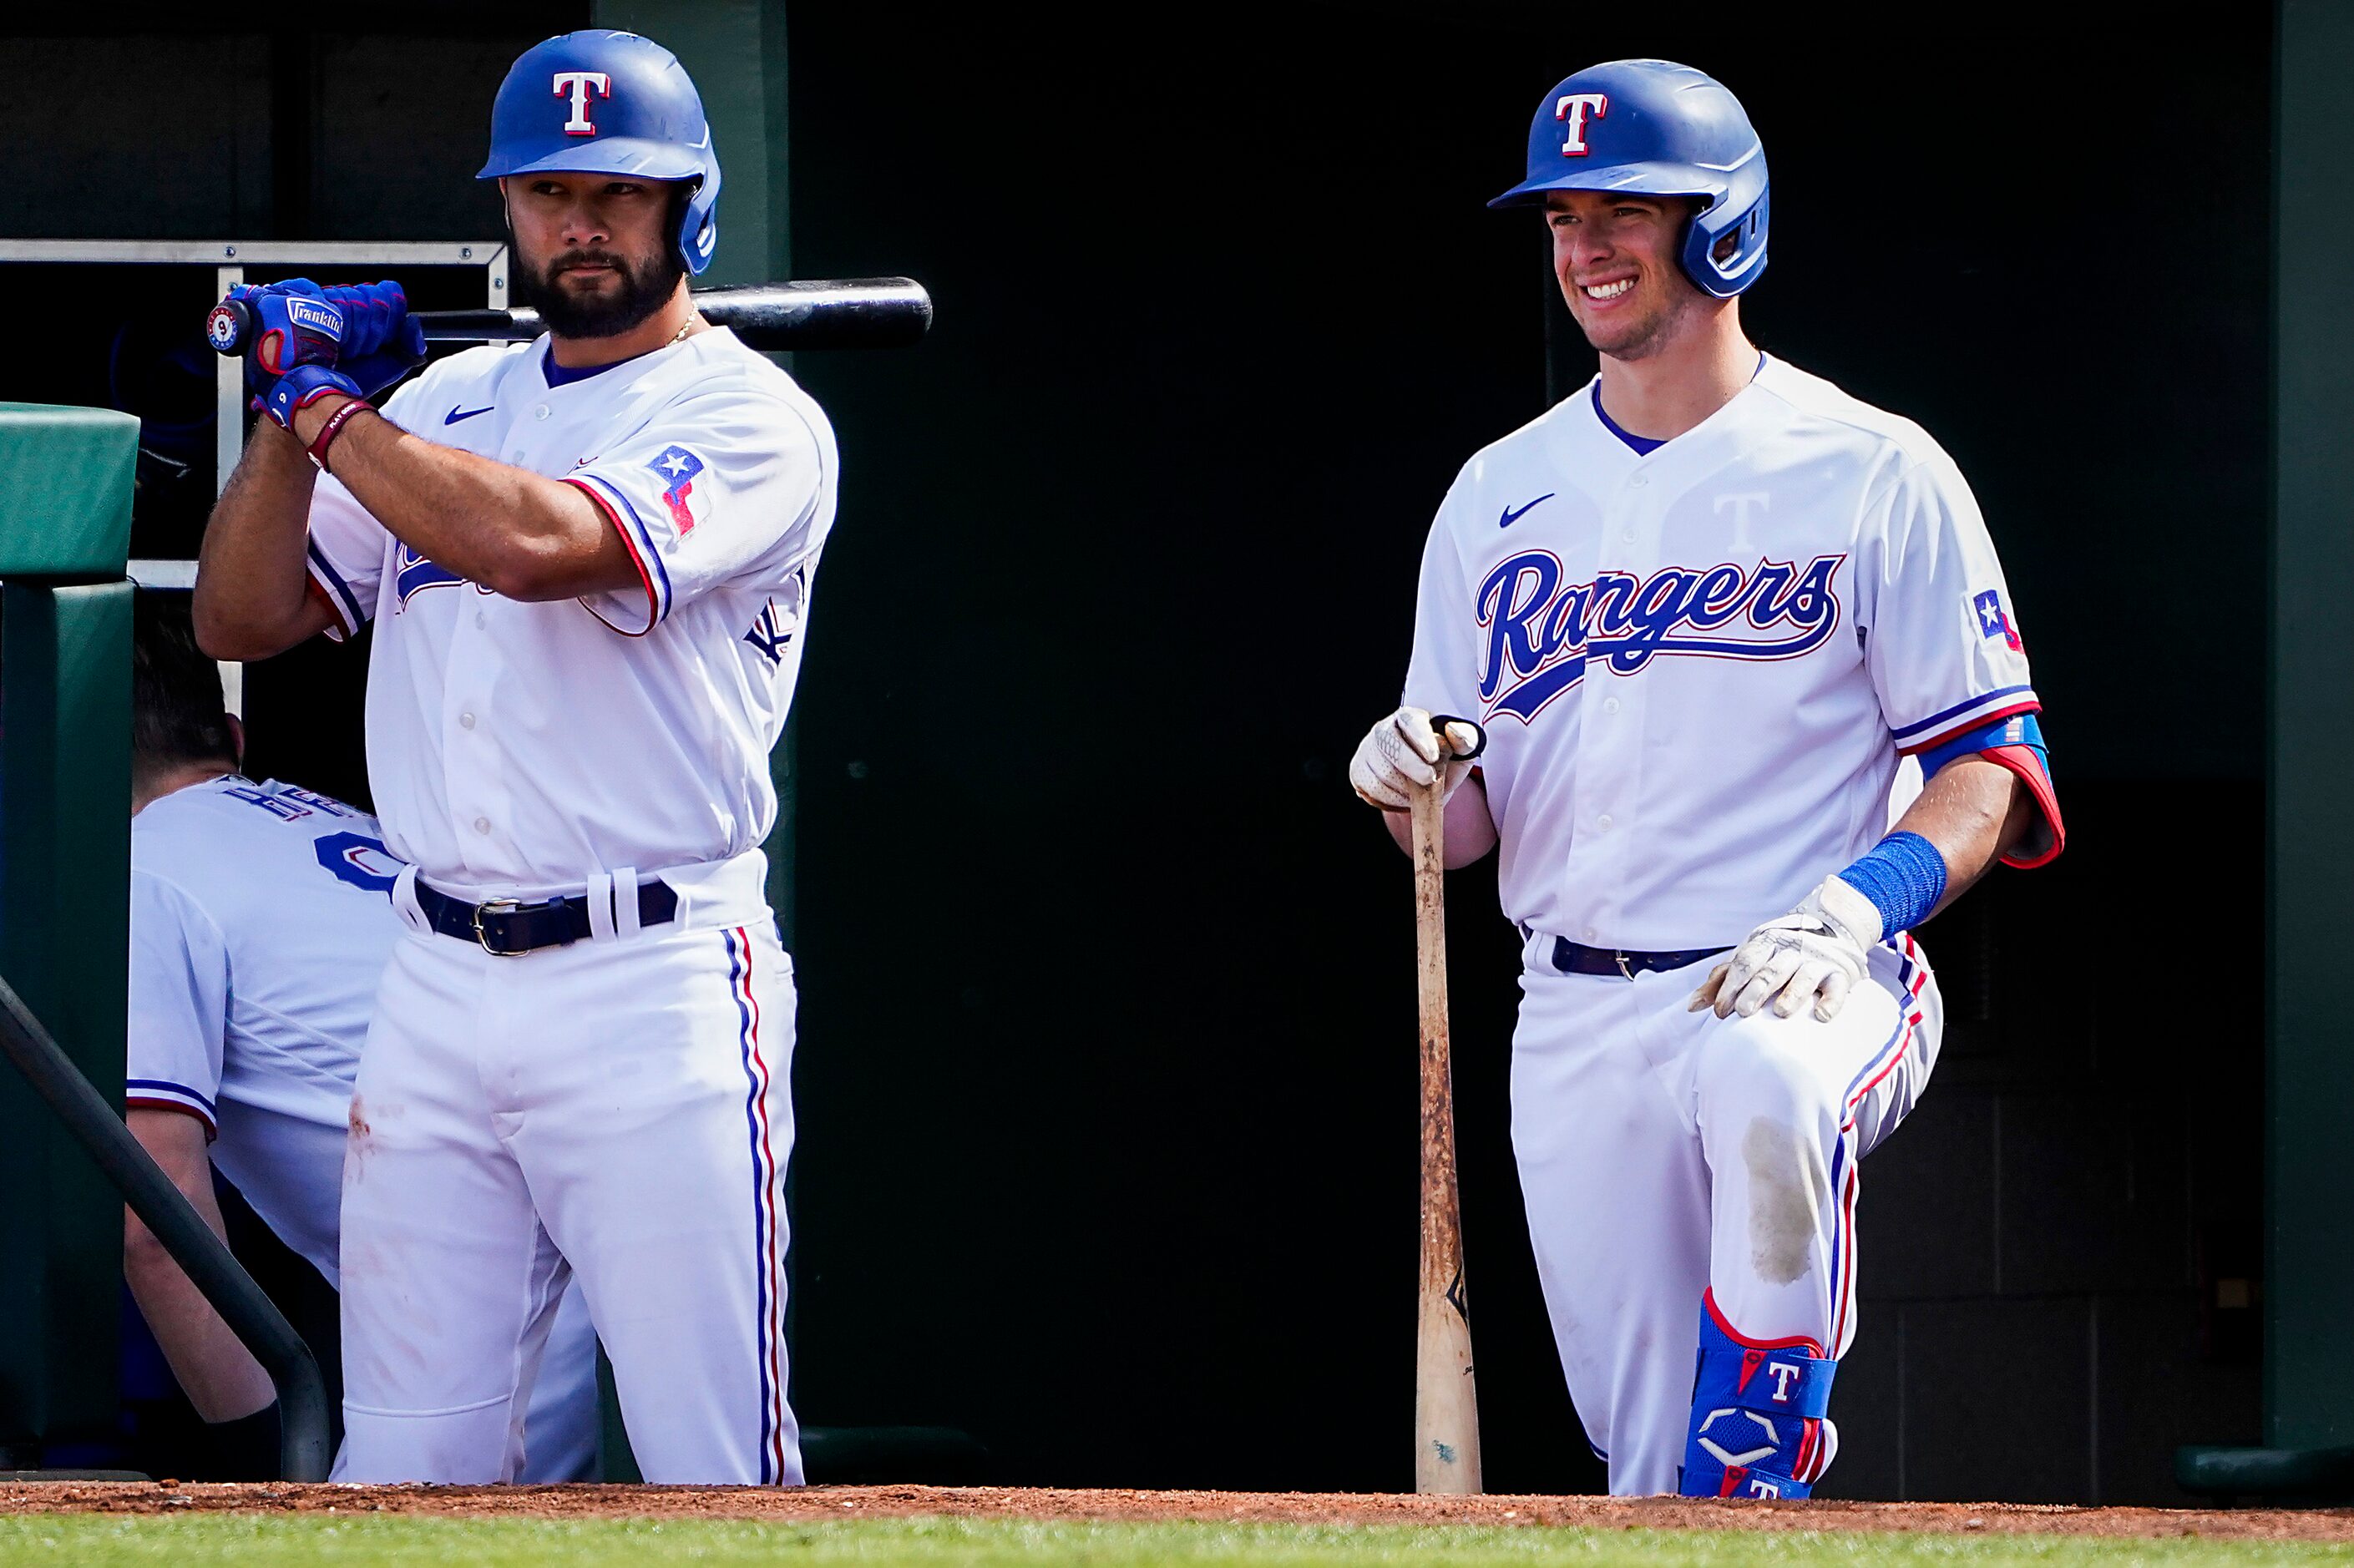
{"x": 1664, "y": 1153}
{"x": 619, "y": 1110}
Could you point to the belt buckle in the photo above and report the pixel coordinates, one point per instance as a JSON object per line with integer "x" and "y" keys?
{"x": 494, "y": 906}
{"x": 1623, "y": 967}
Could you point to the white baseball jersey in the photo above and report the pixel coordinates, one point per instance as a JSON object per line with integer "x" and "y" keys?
{"x": 1698, "y": 668}
{"x": 520, "y": 749}
{"x": 259, "y": 921}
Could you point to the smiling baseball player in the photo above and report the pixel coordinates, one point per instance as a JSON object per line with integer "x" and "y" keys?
{"x": 1704, "y": 608}
{"x": 587, "y": 561}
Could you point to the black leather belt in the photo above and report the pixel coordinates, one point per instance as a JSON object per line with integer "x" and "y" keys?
{"x": 510, "y": 929}
{"x": 1576, "y": 959}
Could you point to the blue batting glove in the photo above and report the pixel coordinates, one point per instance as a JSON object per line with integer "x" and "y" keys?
{"x": 299, "y": 388}
{"x": 373, "y": 314}
{"x": 294, "y": 323}
{"x": 382, "y": 342}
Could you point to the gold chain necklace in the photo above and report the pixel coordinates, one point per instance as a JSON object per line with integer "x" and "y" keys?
{"x": 686, "y": 327}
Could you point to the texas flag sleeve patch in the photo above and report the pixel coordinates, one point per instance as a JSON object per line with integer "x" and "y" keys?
{"x": 1994, "y": 621}
{"x": 676, "y": 466}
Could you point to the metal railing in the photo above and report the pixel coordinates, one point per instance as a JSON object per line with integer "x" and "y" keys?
{"x": 302, "y": 1429}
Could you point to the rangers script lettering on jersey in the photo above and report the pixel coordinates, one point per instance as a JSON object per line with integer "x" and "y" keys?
{"x": 1683, "y": 736}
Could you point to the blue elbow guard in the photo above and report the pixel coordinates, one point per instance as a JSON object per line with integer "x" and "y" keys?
{"x": 2019, "y": 729}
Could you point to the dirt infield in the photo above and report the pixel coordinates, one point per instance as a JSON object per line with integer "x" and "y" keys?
{"x": 1270, "y": 1508}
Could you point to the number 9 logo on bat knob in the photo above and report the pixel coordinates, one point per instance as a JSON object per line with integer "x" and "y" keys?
{"x": 227, "y": 327}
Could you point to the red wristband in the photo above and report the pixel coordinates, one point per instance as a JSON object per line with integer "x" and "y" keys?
{"x": 333, "y": 427}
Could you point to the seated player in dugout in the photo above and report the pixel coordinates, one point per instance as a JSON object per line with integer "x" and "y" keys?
{"x": 587, "y": 561}
{"x": 261, "y": 920}
{"x": 1704, "y": 608}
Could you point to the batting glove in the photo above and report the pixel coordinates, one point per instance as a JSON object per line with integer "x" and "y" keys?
{"x": 1812, "y": 955}
{"x": 294, "y": 323}
{"x": 1402, "y": 755}
{"x": 382, "y": 342}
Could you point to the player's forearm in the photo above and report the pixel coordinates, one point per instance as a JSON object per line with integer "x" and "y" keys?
{"x": 1972, "y": 811}
{"x": 219, "y": 1375}
{"x": 253, "y": 596}
{"x": 521, "y": 535}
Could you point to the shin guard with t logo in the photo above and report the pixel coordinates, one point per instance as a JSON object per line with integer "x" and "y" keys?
{"x": 1757, "y": 1427}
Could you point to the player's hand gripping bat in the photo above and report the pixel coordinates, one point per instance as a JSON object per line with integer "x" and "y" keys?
{"x": 1445, "y": 1400}
{"x": 809, "y": 312}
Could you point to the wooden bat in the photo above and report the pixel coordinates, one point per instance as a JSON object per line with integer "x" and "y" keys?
{"x": 808, "y": 313}
{"x": 1446, "y": 1398}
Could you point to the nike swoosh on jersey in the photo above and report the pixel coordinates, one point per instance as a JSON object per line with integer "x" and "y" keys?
{"x": 1514, "y": 514}
{"x": 454, "y": 415}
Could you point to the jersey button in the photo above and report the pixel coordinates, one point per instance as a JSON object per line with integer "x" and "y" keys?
{"x": 1609, "y": 705}
{"x": 1603, "y": 821}
{"x": 482, "y": 824}
{"x": 540, "y": 412}
{"x": 1640, "y": 481}
{"x": 465, "y": 721}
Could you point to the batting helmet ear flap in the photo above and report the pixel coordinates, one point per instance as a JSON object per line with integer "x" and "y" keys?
{"x": 698, "y": 222}
{"x": 700, "y": 225}
{"x": 1721, "y": 269}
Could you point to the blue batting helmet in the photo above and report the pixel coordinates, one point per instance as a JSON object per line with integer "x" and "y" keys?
{"x": 602, "y": 102}
{"x": 1656, "y": 128}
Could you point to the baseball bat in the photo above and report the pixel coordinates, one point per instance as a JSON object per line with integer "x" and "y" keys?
{"x": 1446, "y": 1398}
{"x": 805, "y": 312}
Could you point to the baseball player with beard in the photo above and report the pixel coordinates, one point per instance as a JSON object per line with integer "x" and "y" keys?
{"x": 1704, "y": 608}
{"x": 587, "y": 561}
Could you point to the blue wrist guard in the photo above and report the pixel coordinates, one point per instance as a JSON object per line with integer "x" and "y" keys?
{"x": 1903, "y": 875}
{"x": 302, "y": 387}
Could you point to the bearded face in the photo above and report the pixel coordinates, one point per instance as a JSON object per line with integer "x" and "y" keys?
{"x": 594, "y": 255}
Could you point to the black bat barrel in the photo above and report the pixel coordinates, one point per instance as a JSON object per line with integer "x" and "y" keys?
{"x": 818, "y": 313}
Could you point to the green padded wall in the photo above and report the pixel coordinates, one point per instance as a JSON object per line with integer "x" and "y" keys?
{"x": 65, "y": 691}
{"x": 65, "y": 512}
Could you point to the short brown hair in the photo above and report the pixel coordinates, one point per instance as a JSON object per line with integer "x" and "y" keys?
{"x": 177, "y": 715}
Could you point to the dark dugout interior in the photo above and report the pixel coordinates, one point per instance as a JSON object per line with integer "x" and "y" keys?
{"x": 1106, "y": 1077}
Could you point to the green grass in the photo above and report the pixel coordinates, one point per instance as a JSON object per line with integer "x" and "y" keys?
{"x": 183, "y": 1540}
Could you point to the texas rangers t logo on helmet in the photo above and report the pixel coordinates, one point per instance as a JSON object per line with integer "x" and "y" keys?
{"x": 1572, "y": 112}
{"x": 581, "y": 85}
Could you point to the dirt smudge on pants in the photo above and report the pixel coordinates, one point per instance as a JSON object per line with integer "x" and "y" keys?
{"x": 1785, "y": 1174}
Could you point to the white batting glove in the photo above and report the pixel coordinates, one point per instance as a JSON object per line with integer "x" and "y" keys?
{"x": 1812, "y": 955}
{"x": 1400, "y": 754}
